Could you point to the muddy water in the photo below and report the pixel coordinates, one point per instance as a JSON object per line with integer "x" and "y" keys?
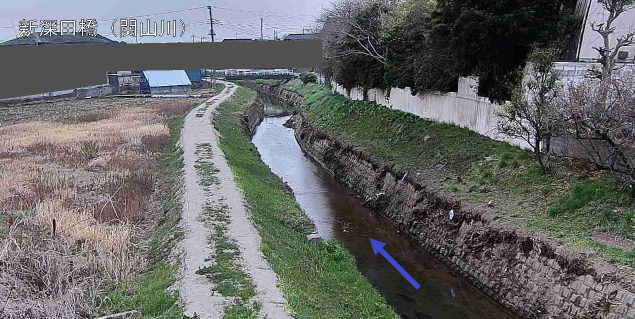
{"x": 339, "y": 215}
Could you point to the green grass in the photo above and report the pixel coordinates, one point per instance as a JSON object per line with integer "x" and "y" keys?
{"x": 147, "y": 292}
{"x": 318, "y": 281}
{"x": 269, "y": 81}
{"x": 219, "y": 88}
{"x": 583, "y": 194}
{"x": 403, "y": 138}
{"x": 206, "y": 170}
{"x": 239, "y": 310}
{"x": 225, "y": 272}
{"x": 564, "y": 205}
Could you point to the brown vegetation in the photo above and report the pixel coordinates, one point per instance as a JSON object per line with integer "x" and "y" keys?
{"x": 73, "y": 193}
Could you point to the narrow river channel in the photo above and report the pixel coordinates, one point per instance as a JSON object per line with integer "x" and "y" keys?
{"x": 339, "y": 215}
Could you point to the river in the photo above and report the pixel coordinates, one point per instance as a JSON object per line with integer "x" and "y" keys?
{"x": 340, "y": 215}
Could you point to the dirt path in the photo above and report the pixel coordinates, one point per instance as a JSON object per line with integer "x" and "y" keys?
{"x": 196, "y": 291}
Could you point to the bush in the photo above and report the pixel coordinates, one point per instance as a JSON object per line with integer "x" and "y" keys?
{"x": 308, "y": 77}
{"x": 90, "y": 149}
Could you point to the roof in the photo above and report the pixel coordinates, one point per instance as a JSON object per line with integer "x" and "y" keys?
{"x": 302, "y": 36}
{"x": 167, "y": 78}
{"x": 238, "y": 40}
{"x": 58, "y": 39}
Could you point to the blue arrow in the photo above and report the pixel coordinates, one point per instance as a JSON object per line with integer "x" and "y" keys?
{"x": 378, "y": 247}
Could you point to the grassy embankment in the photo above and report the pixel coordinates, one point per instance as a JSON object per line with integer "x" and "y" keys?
{"x": 571, "y": 205}
{"x": 318, "y": 281}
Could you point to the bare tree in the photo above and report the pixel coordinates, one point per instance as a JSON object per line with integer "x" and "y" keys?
{"x": 607, "y": 53}
{"x": 340, "y": 24}
{"x": 534, "y": 113}
{"x": 603, "y": 120}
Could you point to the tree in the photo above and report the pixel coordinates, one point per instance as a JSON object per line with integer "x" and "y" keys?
{"x": 602, "y": 119}
{"x": 414, "y": 60}
{"x": 352, "y": 34}
{"x": 308, "y": 77}
{"x": 534, "y": 113}
{"x": 607, "y": 53}
{"x": 492, "y": 38}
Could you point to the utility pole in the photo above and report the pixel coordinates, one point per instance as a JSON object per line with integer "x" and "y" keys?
{"x": 211, "y": 22}
{"x": 193, "y": 36}
{"x": 211, "y": 31}
{"x": 274, "y": 35}
{"x": 261, "y": 37}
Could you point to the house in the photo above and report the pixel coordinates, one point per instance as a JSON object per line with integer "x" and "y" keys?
{"x": 36, "y": 39}
{"x": 302, "y": 37}
{"x": 159, "y": 82}
{"x": 582, "y": 49}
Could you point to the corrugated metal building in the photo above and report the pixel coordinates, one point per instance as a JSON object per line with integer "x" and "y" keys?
{"x": 194, "y": 75}
{"x": 160, "y": 82}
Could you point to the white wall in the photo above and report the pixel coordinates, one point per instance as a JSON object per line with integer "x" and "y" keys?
{"x": 463, "y": 108}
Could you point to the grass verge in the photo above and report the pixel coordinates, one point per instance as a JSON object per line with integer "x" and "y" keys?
{"x": 572, "y": 205}
{"x": 318, "y": 281}
{"x": 219, "y": 88}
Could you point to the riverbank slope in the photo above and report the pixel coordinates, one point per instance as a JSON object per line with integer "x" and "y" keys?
{"x": 479, "y": 205}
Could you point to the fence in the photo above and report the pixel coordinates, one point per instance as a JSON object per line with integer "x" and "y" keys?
{"x": 463, "y": 108}
{"x": 90, "y": 91}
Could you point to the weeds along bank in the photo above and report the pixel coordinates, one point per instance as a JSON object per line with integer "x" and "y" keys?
{"x": 547, "y": 247}
{"x": 78, "y": 196}
{"x": 317, "y": 280}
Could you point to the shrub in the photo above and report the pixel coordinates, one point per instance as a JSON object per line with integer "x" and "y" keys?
{"x": 90, "y": 149}
{"x": 308, "y": 77}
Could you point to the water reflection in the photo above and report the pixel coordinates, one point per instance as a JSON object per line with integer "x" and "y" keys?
{"x": 339, "y": 215}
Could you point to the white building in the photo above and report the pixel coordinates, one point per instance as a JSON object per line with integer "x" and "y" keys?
{"x": 592, "y": 11}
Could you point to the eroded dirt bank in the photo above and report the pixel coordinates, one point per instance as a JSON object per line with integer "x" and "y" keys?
{"x": 253, "y": 117}
{"x": 276, "y": 91}
{"x": 525, "y": 271}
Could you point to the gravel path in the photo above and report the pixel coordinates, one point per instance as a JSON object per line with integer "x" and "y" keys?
{"x": 196, "y": 291}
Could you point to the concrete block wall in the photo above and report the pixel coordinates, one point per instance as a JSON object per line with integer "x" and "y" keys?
{"x": 463, "y": 108}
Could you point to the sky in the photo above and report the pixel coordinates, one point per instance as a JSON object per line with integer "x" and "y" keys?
{"x": 235, "y": 18}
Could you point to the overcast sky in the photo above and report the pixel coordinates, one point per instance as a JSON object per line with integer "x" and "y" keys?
{"x": 237, "y": 18}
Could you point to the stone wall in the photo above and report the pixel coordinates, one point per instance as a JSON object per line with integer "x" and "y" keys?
{"x": 290, "y": 97}
{"x": 531, "y": 275}
{"x": 253, "y": 117}
{"x": 526, "y": 272}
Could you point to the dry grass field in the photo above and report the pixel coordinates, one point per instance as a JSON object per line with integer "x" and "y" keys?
{"x": 77, "y": 181}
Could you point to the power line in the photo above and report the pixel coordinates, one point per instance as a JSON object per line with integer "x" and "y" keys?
{"x": 237, "y": 24}
{"x": 154, "y": 14}
{"x": 268, "y": 13}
